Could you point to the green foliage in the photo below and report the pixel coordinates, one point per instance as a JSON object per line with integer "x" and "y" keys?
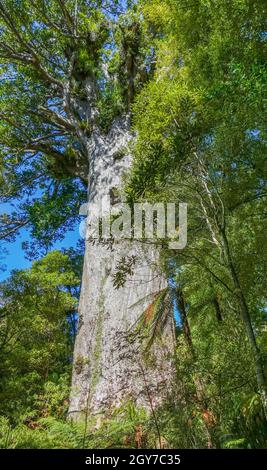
{"x": 66, "y": 69}
{"x": 117, "y": 431}
{"x": 193, "y": 73}
{"x": 201, "y": 140}
{"x": 36, "y": 338}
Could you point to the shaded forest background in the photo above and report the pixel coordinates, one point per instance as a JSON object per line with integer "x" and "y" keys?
{"x": 197, "y": 103}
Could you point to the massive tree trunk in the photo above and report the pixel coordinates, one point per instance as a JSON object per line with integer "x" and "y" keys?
{"x": 108, "y": 364}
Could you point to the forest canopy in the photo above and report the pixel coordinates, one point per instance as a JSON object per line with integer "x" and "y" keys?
{"x": 191, "y": 75}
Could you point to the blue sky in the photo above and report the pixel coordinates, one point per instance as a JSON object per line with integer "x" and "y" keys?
{"x": 14, "y": 255}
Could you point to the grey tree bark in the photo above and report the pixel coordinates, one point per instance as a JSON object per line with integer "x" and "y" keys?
{"x": 109, "y": 366}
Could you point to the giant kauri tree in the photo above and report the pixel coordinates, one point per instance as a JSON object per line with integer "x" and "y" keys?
{"x": 70, "y": 71}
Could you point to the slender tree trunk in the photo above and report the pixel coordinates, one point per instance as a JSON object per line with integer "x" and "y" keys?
{"x": 104, "y": 372}
{"x": 185, "y": 323}
{"x": 218, "y": 311}
{"x": 244, "y": 311}
{"x": 210, "y": 428}
{"x": 243, "y": 307}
